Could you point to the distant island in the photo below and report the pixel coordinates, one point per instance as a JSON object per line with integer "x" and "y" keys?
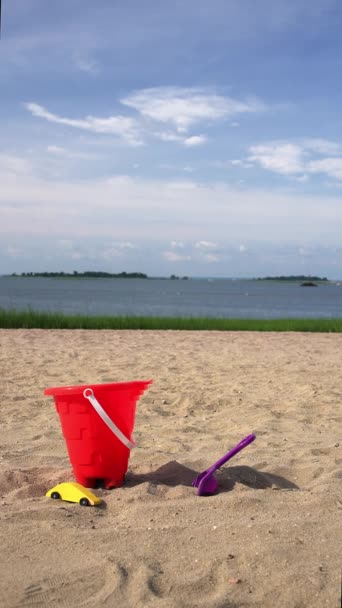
{"x": 92, "y": 274}
{"x": 299, "y": 278}
{"x": 88, "y": 274}
{"x": 305, "y": 280}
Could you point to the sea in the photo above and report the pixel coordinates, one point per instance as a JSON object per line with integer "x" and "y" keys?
{"x": 215, "y": 298}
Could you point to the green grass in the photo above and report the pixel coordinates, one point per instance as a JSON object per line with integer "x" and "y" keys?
{"x": 13, "y": 319}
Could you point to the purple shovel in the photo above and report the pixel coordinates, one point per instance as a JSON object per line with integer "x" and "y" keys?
{"x": 206, "y": 482}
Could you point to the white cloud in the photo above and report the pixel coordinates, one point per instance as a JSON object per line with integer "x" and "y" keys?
{"x": 322, "y": 146}
{"x": 238, "y": 163}
{"x": 205, "y": 251}
{"x": 211, "y": 257}
{"x": 110, "y": 252}
{"x": 14, "y": 252}
{"x": 86, "y": 64}
{"x": 303, "y": 251}
{"x": 177, "y": 107}
{"x": 56, "y": 150}
{"x": 15, "y": 165}
{"x": 83, "y": 250}
{"x": 121, "y": 126}
{"x": 229, "y": 164}
{"x": 123, "y": 209}
{"x": 172, "y": 256}
{"x": 284, "y": 158}
{"x": 205, "y": 245}
{"x": 195, "y": 140}
{"x": 298, "y": 159}
{"x": 242, "y": 248}
{"x": 329, "y": 166}
{"x": 202, "y": 250}
{"x": 63, "y": 152}
{"x": 184, "y": 107}
{"x": 302, "y": 178}
{"x": 125, "y": 245}
{"x": 166, "y": 136}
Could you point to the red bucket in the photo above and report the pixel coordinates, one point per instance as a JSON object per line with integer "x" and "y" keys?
{"x": 97, "y": 422}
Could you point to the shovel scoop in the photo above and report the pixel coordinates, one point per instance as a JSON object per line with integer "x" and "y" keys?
{"x": 206, "y": 482}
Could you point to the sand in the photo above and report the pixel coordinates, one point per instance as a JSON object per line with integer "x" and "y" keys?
{"x": 270, "y": 537}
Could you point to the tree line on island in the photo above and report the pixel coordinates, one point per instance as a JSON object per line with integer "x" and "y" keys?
{"x": 90, "y": 274}
{"x": 298, "y": 277}
{"x": 95, "y": 274}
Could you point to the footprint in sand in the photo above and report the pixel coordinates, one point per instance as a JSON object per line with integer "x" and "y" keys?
{"x": 143, "y": 584}
{"x": 90, "y": 587}
{"x": 147, "y": 584}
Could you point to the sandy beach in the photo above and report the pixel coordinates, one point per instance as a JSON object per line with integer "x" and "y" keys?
{"x": 270, "y": 537}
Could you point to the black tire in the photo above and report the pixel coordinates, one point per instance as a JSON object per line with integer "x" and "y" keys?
{"x": 84, "y": 502}
{"x": 55, "y": 495}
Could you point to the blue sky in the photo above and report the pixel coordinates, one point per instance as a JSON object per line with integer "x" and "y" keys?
{"x": 190, "y": 137}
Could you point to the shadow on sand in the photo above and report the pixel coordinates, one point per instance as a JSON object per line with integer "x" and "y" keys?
{"x": 174, "y": 474}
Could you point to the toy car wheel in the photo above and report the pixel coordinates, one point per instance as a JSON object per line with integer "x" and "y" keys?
{"x": 84, "y": 502}
{"x": 55, "y": 495}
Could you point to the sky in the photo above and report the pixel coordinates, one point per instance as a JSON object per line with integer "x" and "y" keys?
{"x": 192, "y": 137}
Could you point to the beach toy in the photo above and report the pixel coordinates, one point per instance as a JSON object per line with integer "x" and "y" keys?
{"x": 205, "y": 482}
{"x": 74, "y": 492}
{"x": 97, "y": 422}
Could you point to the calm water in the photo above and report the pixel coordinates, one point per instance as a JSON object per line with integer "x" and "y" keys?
{"x": 202, "y": 298}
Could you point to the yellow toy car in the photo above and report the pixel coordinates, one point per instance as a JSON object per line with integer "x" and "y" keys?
{"x": 74, "y": 492}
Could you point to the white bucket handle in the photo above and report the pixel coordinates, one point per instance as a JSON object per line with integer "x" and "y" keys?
{"x": 88, "y": 393}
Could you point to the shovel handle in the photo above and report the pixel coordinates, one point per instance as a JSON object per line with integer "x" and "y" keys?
{"x": 243, "y": 444}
